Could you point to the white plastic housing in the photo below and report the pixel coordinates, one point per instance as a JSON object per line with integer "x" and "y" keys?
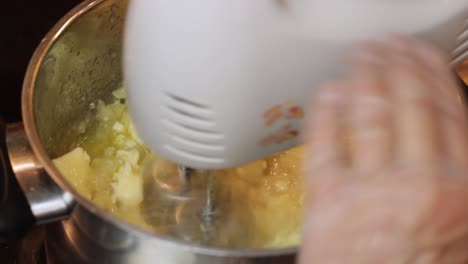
{"x": 219, "y": 83}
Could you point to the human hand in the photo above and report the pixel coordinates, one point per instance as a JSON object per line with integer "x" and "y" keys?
{"x": 387, "y": 180}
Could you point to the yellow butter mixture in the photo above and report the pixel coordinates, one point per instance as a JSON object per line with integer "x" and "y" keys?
{"x": 261, "y": 202}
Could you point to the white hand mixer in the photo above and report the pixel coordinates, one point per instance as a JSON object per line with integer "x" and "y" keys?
{"x": 219, "y": 83}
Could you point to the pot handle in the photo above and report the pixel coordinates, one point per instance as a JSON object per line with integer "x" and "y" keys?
{"x": 16, "y": 217}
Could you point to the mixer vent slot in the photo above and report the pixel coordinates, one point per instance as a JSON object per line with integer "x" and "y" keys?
{"x": 197, "y": 145}
{"x": 194, "y": 156}
{"x": 192, "y": 133}
{"x": 191, "y": 130}
{"x": 192, "y": 115}
{"x": 183, "y": 111}
{"x": 186, "y": 101}
{"x": 460, "y": 54}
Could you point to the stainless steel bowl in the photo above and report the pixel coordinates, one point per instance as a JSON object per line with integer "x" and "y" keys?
{"x": 78, "y": 62}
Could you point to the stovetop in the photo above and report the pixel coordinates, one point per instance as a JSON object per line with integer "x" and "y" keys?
{"x": 30, "y": 250}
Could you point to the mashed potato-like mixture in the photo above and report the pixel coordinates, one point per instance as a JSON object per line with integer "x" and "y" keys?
{"x": 264, "y": 198}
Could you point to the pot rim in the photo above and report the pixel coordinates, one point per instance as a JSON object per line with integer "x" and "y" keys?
{"x": 31, "y": 131}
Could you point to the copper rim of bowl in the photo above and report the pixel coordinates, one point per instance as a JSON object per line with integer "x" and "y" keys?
{"x": 31, "y": 132}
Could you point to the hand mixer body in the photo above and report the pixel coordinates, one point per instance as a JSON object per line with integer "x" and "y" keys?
{"x": 218, "y": 83}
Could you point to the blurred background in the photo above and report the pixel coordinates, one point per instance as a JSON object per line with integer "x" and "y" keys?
{"x": 23, "y": 23}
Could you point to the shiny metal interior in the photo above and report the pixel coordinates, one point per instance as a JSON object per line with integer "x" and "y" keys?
{"x": 78, "y": 62}
{"x": 83, "y": 65}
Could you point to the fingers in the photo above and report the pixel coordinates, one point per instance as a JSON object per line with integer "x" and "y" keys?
{"x": 370, "y": 113}
{"x": 327, "y": 157}
{"x": 439, "y": 73}
{"x": 439, "y": 96}
{"x": 400, "y": 122}
{"x": 326, "y": 124}
{"x": 397, "y": 105}
{"x": 405, "y": 106}
{"x": 418, "y": 131}
{"x": 449, "y": 99}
